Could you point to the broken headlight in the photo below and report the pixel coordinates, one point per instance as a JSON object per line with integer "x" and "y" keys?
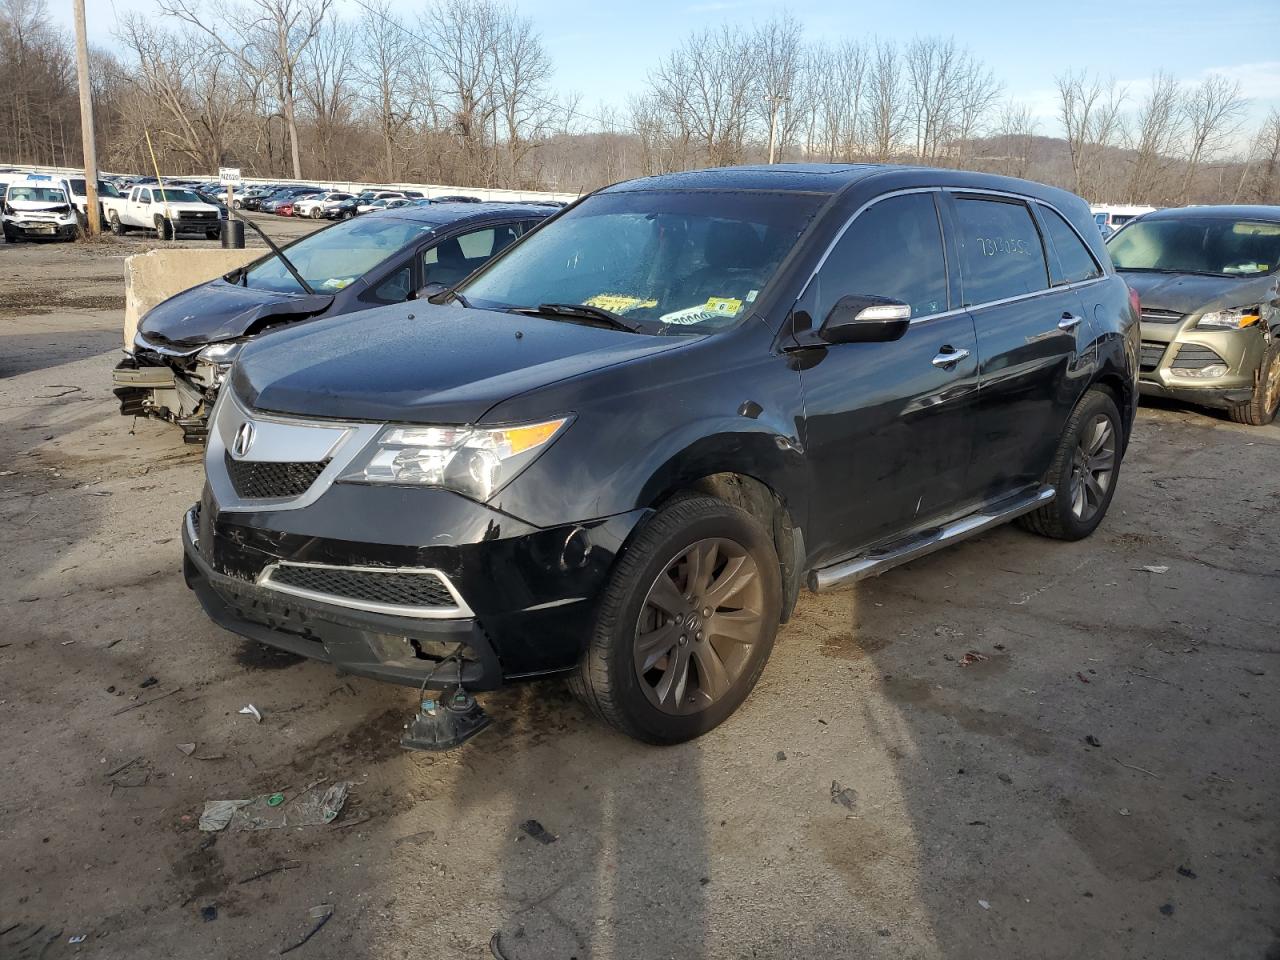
{"x": 476, "y": 462}
{"x": 220, "y": 356}
{"x": 1232, "y": 318}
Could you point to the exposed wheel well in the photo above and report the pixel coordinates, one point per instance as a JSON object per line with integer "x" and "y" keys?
{"x": 1121, "y": 393}
{"x": 762, "y": 502}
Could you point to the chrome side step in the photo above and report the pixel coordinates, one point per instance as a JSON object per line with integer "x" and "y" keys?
{"x": 895, "y": 554}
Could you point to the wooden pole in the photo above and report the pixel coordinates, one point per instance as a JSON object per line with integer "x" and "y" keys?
{"x": 93, "y": 226}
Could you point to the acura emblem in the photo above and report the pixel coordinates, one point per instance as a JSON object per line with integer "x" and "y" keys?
{"x": 243, "y": 441}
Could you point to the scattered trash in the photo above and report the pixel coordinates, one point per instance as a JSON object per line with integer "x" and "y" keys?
{"x": 1167, "y": 909}
{"x": 187, "y": 748}
{"x": 321, "y": 914}
{"x": 287, "y": 865}
{"x": 1092, "y": 741}
{"x": 7, "y": 473}
{"x": 779, "y": 756}
{"x": 984, "y": 904}
{"x": 149, "y": 682}
{"x": 1081, "y": 677}
{"x": 1186, "y": 872}
{"x": 209, "y": 913}
{"x": 1130, "y": 766}
{"x": 844, "y": 796}
{"x": 251, "y": 711}
{"x": 1156, "y": 568}
{"x": 314, "y": 806}
{"x": 78, "y": 938}
{"x": 1124, "y": 811}
{"x": 540, "y": 833}
{"x": 973, "y": 656}
{"x": 1004, "y": 778}
{"x": 123, "y": 766}
{"x": 1255, "y": 672}
{"x": 495, "y": 946}
{"x": 977, "y": 823}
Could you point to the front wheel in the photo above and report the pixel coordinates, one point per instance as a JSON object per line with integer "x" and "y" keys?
{"x": 9, "y": 235}
{"x": 1261, "y": 408}
{"x": 686, "y": 623}
{"x": 164, "y": 229}
{"x": 315, "y": 213}
{"x": 116, "y": 226}
{"x": 1084, "y": 472}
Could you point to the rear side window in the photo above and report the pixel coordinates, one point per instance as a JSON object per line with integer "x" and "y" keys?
{"x": 1069, "y": 259}
{"x": 893, "y": 249}
{"x": 1000, "y": 251}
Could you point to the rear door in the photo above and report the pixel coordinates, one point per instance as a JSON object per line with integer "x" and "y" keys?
{"x": 1032, "y": 367}
{"x": 451, "y": 259}
{"x": 887, "y": 425}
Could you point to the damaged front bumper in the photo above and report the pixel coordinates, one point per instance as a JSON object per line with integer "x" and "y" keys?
{"x": 501, "y": 601}
{"x": 180, "y": 390}
{"x": 1208, "y": 367}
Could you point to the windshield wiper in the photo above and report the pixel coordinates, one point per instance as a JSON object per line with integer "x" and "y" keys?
{"x": 581, "y": 311}
{"x": 1173, "y": 270}
{"x": 288, "y": 264}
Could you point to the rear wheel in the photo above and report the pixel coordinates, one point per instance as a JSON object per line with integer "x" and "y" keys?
{"x": 117, "y": 227}
{"x": 1262, "y": 406}
{"x": 1084, "y": 472}
{"x": 685, "y": 624}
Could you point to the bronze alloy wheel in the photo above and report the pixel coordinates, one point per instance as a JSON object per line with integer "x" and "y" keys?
{"x": 1271, "y": 398}
{"x": 1093, "y": 466}
{"x": 698, "y": 625}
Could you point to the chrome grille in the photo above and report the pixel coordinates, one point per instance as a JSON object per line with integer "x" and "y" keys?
{"x": 1162, "y": 316}
{"x": 1150, "y": 356}
{"x": 1193, "y": 356}
{"x": 393, "y": 587}
{"x": 262, "y": 479}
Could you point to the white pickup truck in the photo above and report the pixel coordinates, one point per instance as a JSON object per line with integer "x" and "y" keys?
{"x": 166, "y": 210}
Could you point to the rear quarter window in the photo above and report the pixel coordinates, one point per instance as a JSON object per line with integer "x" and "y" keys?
{"x": 1001, "y": 255}
{"x": 1069, "y": 259}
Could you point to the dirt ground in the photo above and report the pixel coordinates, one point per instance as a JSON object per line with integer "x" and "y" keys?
{"x": 1103, "y": 783}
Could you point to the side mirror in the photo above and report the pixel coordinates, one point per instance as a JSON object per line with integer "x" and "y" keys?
{"x": 429, "y": 290}
{"x": 864, "y": 319}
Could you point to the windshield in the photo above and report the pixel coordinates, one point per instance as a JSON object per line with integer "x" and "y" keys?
{"x": 333, "y": 258}
{"x": 671, "y": 261}
{"x": 175, "y": 196}
{"x": 1229, "y": 248}
{"x": 38, "y": 194}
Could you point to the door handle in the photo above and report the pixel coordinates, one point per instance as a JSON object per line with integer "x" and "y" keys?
{"x": 1069, "y": 321}
{"x": 949, "y": 357}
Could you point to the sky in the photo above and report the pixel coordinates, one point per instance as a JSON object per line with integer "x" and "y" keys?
{"x": 604, "y": 49}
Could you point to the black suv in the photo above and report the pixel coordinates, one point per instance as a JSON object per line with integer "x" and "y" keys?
{"x": 619, "y": 450}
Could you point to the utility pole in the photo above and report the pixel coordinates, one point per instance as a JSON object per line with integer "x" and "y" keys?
{"x": 92, "y": 224}
{"x": 774, "y": 102}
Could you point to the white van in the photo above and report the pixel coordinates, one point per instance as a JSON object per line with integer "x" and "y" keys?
{"x": 37, "y": 207}
{"x": 1110, "y": 217}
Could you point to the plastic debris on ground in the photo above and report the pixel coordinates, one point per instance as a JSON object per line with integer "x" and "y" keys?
{"x": 187, "y": 748}
{"x": 1156, "y": 568}
{"x": 984, "y": 904}
{"x": 78, "y": 938}
{"x": 252, "y": 711}
{"x": 314, "y": 806}
{"x": 973, "y": 656}
{"x": 843, "y": 796}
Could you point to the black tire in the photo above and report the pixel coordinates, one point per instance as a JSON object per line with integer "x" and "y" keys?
{"x": 10, "y": 236}
{"x": 608, "y": 680}
{"x": 1261, "y": 408}
{"x": 316, "y": 213}
{"x": 1058, "y": 518}
{"x": 164, "y": 229}
{"x": 213, "y": 234}
{"x": 118, "y": 228}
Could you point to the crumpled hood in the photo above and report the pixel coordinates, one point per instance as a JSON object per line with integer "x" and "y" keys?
{"x": 219, "y": 310}
{"x": 420, "y": 363}
{"x": 39, "y": 207}
{"x": 1189, "y": 293}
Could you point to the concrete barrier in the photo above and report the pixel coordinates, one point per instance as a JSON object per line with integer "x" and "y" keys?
{"x": 151, "y": 278}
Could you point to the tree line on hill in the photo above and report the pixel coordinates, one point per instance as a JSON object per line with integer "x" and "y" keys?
{"x": 465, "y": 95}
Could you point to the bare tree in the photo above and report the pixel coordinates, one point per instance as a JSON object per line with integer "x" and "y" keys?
{"x": 1213, "y": 113}
{"x": 1015, "y": 134}
{"x": 888, "y": 103}
{"x": 270, "y": 37}
{"x": 1089, "y": 111}
{"x": 523, "y": 72}
{"x": 778, "y": 59}
{"x": 386, "y": 72}
{"x": 1158, "y": 130}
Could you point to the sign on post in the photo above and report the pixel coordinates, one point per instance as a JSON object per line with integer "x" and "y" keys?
{"x": 229, "y": 176}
